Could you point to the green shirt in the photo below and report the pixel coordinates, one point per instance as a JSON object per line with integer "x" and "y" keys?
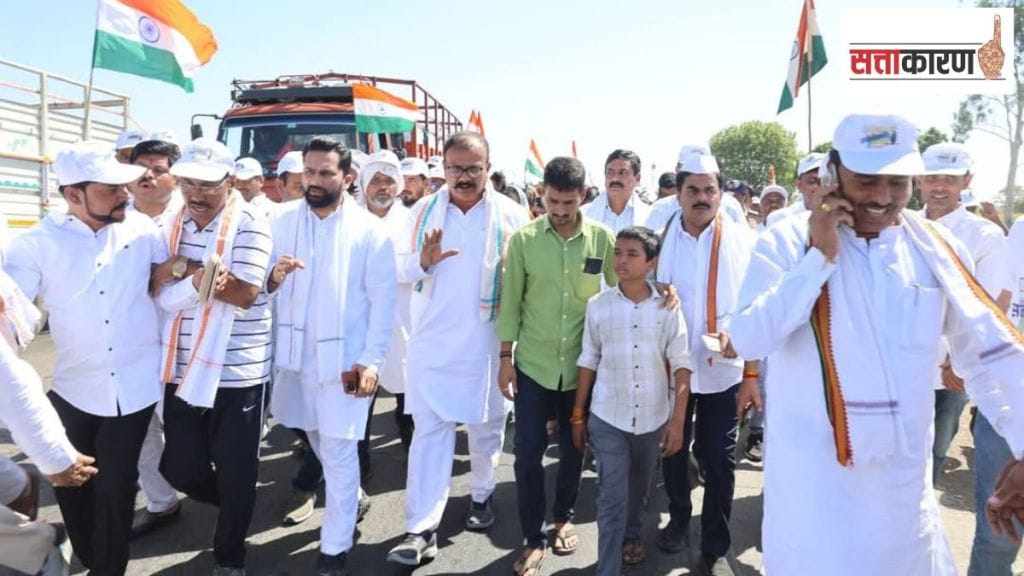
{"x": 544, "y": 294}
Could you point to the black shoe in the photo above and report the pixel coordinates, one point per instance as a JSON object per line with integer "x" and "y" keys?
{"x": 414, "y": 549}
{"x": 332, "y": 565}
{"x": 716, "y": 566}
{"x": 673, "y": 538}
{"x": 145, "y": 521}
{"x": 753, "y": 450}
{"x": 481, "y": 516}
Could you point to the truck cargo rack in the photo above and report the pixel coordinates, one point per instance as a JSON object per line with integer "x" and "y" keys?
{"x": 435, "y": 122}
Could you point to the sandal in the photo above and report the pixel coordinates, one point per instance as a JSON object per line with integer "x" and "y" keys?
{"x": 526, "y": 567}
{"x": 564, "y": 540}
{"x": 633, "y": 552}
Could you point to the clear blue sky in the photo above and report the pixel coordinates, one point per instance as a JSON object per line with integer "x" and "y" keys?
{"x": 649, "y": 75}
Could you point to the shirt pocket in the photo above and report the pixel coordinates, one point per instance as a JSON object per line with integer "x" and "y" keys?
{"x": 923, "y": 316}
{"x": 590, "y": 276}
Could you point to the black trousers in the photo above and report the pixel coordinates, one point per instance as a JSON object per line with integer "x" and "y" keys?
{"x": 715, "y": 434}
{"x": 213, "y": 456}
{"x": 534, "y": 404}
{"x": 98, "y": 514}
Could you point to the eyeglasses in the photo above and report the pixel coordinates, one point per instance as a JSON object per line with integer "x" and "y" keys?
{"x": 204, "y": 187}
{"x": 457, "y": 171}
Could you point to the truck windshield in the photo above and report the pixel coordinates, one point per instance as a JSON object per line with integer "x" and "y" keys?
{"x": 268, "y": 140}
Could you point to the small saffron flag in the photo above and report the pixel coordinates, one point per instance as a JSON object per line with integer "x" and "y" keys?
{"x": 534, "y": 163}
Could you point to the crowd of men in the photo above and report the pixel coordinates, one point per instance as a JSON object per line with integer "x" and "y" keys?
{"x": 185, "y": 306}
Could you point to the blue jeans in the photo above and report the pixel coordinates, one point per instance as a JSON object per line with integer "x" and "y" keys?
{"x": 949, "y": 406}
{"x": 991, "y": 555}
{"x": 533, "y": 403}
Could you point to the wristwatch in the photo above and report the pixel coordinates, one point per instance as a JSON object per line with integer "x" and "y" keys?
{"x": 179, "y": 268}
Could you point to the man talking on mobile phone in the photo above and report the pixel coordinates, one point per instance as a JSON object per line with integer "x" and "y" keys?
{"x": 334, "y": 276}
{"x": 848, "y": 305}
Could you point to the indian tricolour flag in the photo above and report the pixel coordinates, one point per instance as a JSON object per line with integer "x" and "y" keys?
{"x": 807, "y": 57}
{"x": 378, "y": 112}
{"x": 159, "y": 39}
{"x": 534, "y": 164}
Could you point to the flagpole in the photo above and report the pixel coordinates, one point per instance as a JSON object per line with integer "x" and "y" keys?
{"x": 87, "y": 128}
{"x": 810, "y": 73}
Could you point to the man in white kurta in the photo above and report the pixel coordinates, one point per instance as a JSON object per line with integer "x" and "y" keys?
{"x": 705, "y": 256}
{"x": 453, "y": 252}
{"x": 807, "y": 185}
{"x": 382, "y": 181}
{"x": 619, "y": 206}
{"x": 849, "y": 306}
{"x": 947, "y": 174}
{"x": 335, "y": 282}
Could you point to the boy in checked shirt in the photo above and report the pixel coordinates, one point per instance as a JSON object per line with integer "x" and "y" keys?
{"x": 631, "y": 344}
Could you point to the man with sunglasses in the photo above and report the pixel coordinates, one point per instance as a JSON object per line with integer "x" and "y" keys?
{"x": 91, "y": 267}
{"x": 216, "y": 341}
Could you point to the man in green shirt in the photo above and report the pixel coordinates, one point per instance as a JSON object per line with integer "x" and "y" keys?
{"x": 553, "y": 266}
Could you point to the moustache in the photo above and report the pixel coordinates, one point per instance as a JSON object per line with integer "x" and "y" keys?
{"x": 615, "y": 185}
{"x": 121, "y": 206}
{"x": 465, "y": 185}
{"x": 315, "y": 189}
{"x": 702, "y": 205}
{"x": 874, "y": 205}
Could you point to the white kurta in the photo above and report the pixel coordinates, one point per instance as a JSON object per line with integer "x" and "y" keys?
{"x": 1015, "y": 265}
{"x": 987, "y": 245}
{"x": 394, "y": 373}
{"x": 299, "y": 399}
{"x": 452, "y": 353}
{"x": 876, "y": 517}
{"x": 634, "y": 214}
{"x": 686, "y": 264}
{"x": 797, "y": 208}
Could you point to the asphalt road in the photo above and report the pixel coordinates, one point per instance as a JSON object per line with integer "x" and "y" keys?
{"x": 183, "y": 548}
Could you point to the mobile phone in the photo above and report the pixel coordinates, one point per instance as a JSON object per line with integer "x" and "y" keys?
{"x": 828, "y": 177}
{"x": 350, "y": 380}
